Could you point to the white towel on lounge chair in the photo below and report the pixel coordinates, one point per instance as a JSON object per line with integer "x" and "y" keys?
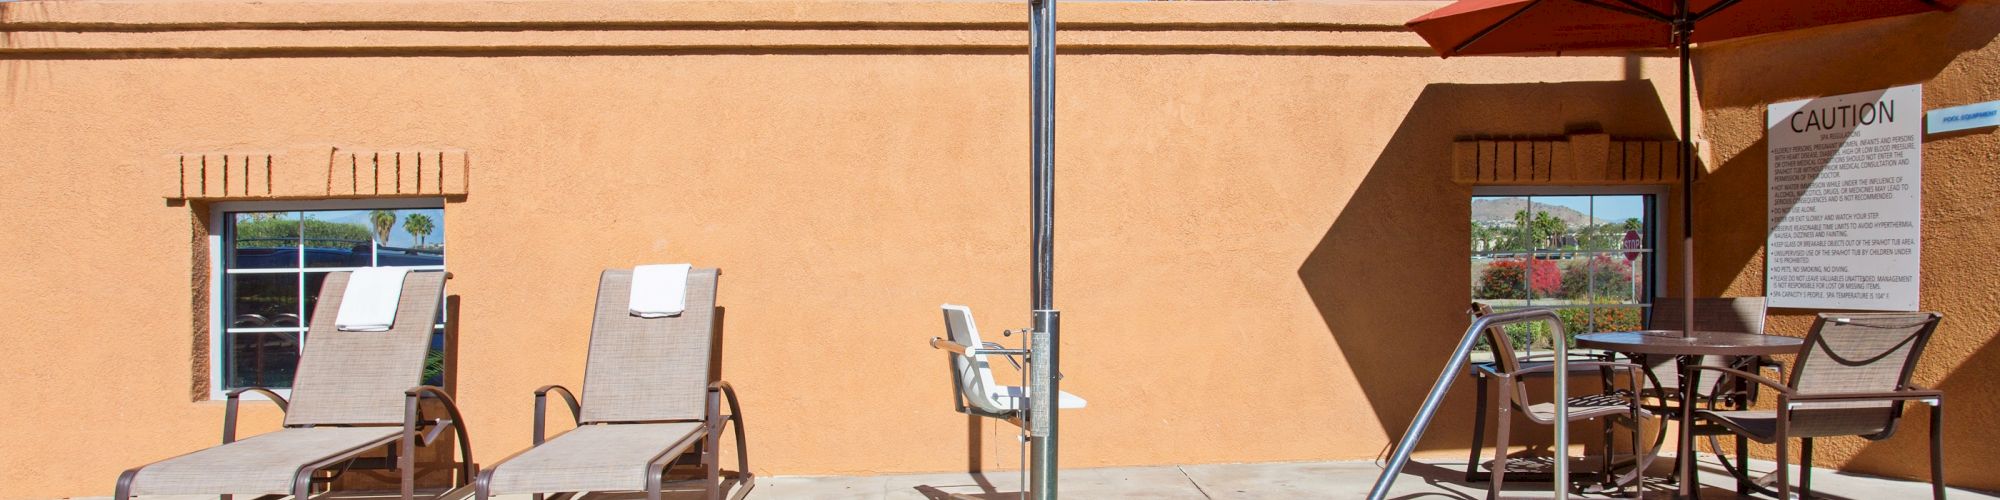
{"x": 659, "y": 290}
{"x": 369, "y": 303}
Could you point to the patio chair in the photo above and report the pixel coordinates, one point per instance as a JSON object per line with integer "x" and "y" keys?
{"x": 978, "y": 393}
{"x": 1851, "y": 378}
{"x": 355, "y": 392}
{"x": 647, "y": 400}
{"x": 1482, "y": 374}
{"x": 1615, "y": 407}
{"x": 1712, "y": 391}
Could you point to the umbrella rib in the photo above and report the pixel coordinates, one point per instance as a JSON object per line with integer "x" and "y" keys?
{"x": 1719, "y": 7}
{"x": 1650, "y": 13}
{"x": 1625, "y": 10}
{"x": 1490, "y": 28}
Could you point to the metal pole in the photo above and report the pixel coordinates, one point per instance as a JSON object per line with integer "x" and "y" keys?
{"x": 1043, "y": 347}
{"x": 1435, "y": 398}
{"x": 1683, "y": 29}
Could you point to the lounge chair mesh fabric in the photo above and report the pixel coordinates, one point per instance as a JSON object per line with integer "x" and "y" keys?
{"x": 640, "y": 370}
{"x": 1868, "y": 354}
{"x": 359, "y": 377}
{"x": 344, "y": 378}
{"x": 649, "y": 369}
{"x": 605, "y": 457}
{"x": 261, "y": 464}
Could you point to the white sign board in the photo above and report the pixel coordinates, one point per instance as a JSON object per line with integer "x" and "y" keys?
{"x": 1846, "y": 217}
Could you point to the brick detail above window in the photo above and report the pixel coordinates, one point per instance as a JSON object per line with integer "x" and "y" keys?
{"x": 1581, "y": 159}
{"x": 341, "y": 174}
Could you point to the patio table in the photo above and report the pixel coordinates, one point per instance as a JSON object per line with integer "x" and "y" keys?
{"x": 1684, "y": 349}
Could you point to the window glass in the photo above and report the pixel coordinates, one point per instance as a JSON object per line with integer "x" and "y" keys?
{"x": 275, "y": 263}
{"x": 1587, "y": 256}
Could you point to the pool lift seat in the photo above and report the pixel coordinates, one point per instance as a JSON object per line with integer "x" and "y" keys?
{"x": 974, "y": 390}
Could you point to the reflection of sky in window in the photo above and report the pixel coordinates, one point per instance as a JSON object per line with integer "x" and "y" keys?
{"x": 1610, "y": 209}
{"x": 397, "y": 236}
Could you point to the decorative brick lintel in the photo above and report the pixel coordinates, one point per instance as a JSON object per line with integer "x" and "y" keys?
{"x": 1581, "y": 159}
{"x": 301, "y": 174}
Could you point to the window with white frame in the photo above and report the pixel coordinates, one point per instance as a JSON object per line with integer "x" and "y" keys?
{"x": 271, "y": 258}
{"x": 1588, "y": 253}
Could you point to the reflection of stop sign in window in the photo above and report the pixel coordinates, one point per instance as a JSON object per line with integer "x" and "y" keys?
{"x": 1631, "y": 243}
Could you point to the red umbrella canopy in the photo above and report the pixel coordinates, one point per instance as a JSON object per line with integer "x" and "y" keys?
{"x": 1475, "y": 27}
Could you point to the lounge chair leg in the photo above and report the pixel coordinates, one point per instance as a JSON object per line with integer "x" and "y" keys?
{"x": 1805, "y": 467}
{"x": 1937, "y": 451}
{"x": 1784, "y": 459}
{"x": 1742, "y": 465}
{"x": 1499, "y": 473}
{"x": 1478, "y": 428}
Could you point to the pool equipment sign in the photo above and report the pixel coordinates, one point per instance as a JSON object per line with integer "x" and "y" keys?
{"x": 1967, "y": 117}
{"x": 1845, "y": 210}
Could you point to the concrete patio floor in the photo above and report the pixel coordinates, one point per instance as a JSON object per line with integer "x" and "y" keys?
{"x": 1422, "y": 480}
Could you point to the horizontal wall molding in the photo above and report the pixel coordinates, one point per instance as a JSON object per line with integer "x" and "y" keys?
{"x": 1577, "y": 159}
{"x": 174, "y": 28}
{"x": 342, "y": 173}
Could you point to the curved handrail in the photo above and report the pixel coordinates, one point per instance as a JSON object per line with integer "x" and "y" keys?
{"x": 1459, "y": 355}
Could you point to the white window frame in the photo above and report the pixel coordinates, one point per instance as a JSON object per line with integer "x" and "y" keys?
{"x": 218, "y": 229}
{"x": 1661, "y": 196}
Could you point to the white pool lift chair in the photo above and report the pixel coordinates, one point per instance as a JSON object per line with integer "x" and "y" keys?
{"x": 975, "y": 390}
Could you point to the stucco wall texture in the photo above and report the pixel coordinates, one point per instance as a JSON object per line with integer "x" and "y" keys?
{"x": 1957, "y": 60}
{"x": 1260, "y": 251}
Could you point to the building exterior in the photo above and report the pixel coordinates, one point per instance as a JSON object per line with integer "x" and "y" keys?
{"x": 1261, "y": 232}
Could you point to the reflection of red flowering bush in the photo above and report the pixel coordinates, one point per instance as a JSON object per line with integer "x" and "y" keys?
{"x": 1503, "y": 279}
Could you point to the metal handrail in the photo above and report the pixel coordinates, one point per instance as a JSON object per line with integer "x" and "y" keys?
{"x": 1459, "y": 355}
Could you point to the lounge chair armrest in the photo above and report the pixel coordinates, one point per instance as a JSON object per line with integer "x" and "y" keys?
{"x": 411, "y": 398}
{"x": 1783, "y": 390}
{"x": 542, "y": 409}
{"x": 1551, "y": 368}
{"x": 229, "y": 411}
{"x": 1917, "y": 394}
{"x": 735, "y": 414}
{"x": 1637, "y": 384}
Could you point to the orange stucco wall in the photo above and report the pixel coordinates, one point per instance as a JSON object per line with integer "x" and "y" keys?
{"x": 1957, "y": 59}
{"x": 1260, "y": 248}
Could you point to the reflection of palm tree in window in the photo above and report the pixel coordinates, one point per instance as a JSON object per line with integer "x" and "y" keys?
{"x": 419, "y": 226}
{"x": 384, "y": 221}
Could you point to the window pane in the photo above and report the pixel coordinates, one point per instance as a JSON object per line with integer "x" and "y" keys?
{"x": 1500, "y": 282}
{"x": 1558, "y": 279}
{"x": 338, "y": 238}
{"x": 1616, "y": 219}
{"x": 314, "y": 280}
{"x": 1496, "y": 224}
{"x": 264, "y": 240}
{"x": 1616, "y": 279}
{"x": 262, "y": 300}
{"x": 1555, "y": 220}
{"x": 262, "y": 359}
{"x": 416, "y": 240}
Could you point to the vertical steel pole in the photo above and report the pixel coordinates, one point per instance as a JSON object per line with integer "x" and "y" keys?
{"x": 1683, "y": 29}
{"x": 1043, "y": 386}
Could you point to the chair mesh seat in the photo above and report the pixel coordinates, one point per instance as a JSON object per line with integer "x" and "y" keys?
{"x": 609, "y": 457}
{"x": 1589, "y": 406}
{"x": 262, "y": 464}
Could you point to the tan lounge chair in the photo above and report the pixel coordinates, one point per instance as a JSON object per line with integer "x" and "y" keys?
{"x": 355, "y": 392}
{"x": 647, "y": 400}
{"x": 1850, "y": 379}
{"x": 1615, "y": 405}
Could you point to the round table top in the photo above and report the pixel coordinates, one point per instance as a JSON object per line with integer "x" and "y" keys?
{"x": 1670, "y": 342}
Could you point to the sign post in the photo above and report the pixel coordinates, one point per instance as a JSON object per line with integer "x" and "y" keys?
{"x": 1845, "y": 211}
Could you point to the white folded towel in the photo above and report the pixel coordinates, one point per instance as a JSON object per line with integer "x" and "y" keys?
{"x": 369, "y": 303}
{"x": 659, "y": 290}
